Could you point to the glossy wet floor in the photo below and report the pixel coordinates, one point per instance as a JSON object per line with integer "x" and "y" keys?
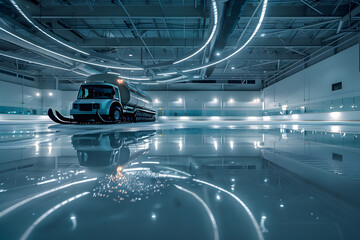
{"x": 180, "y": 181}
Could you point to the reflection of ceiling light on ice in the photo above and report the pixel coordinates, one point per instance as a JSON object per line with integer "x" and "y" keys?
{"x": 215, "y": 145}
{"x": 231, "y": 145}
{"x": 215, "y": 118}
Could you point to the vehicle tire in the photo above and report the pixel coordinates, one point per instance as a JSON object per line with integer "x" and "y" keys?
{"x": 116, "y": 114}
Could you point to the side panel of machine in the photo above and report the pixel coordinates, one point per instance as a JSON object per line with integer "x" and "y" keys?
{"x": 133, "y": 97}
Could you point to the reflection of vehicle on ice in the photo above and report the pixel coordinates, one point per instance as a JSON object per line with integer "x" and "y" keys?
{"x": 110, "y": 148}
{"x": 105, "y": 98}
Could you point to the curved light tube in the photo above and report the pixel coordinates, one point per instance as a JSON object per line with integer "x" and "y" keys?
{"x": 70, "y": 58}
{"x": 171, "y": 79}
{"x": 210, "y": 37}
{"x": 263, "y": 11}
{"x": 42, "y": 31}
{"x": 207, "y": 209}
{"x": 19, "y": 204}
{"x": 253, "y": 220}
{"x": 28, "y": 231}
{"x": 147, "y": 83}
{"x": 167, "y": 73}
{"x": 42, "y": 64}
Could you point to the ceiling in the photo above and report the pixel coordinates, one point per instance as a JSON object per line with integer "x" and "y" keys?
{"x": 65, "y": 40}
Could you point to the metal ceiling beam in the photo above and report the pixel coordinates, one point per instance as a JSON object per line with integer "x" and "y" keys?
{"x": 190, "y": 12}
{"x": 190, "y": 43}
{"x": 139, "y": 11}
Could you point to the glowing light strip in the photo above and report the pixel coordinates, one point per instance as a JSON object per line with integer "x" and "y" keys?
{"x": 207, "y": 209}
{"x": 28, "y": 231}
{"x": 171, "y": 176}
{"x": 33, "y": 62}
{"x": 47, "y": 181}
{"x": 41, "y": 64}
{"x": 149, "y": 162}
{"x": 19, "y": 204}
{"x": 135, "y": 169}
{"x": 254, "y": 222}
{"x": 167, "y": 74}
{"x": 129, "y": 78}
{"x": 70, "y": 58}
{"x": 242, "y": 47}
{"x": 42, "y": 31}
{"x": 171, "y": 80}
{"x": 147, "y": 83}
{"x": 210, "y": 37}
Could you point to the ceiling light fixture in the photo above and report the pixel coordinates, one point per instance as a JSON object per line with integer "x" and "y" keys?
{"x": 215, "y": 12}
{"x": 263, "y": 11}
{"x": 42, "y": 31}
{"x": 67, "y": 57}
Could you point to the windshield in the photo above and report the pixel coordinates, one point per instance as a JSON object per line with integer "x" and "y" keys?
{"x": 96, "y": 92}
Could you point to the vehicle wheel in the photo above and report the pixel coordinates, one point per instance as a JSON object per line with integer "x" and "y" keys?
{"x": 116, "y": 114}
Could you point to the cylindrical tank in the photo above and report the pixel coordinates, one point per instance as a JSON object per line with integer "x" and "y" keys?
{"x": 130, "y": 95}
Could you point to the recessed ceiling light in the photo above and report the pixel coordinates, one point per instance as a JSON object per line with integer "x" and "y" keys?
{"x": 232, "y": 68}
{"x": 262, "y": 35}
{"x": 130, "y": 55}
{"x": 217, "y": 54}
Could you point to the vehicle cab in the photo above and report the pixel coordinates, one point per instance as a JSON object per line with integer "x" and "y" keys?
{"x": 96, "y": 96}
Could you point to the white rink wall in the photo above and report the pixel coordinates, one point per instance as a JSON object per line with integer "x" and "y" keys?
{"x": 314, "y": 84}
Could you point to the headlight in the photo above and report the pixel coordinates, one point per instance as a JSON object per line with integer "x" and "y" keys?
{"x": 76, "y": 106}
{"x": 96, "y": 106}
